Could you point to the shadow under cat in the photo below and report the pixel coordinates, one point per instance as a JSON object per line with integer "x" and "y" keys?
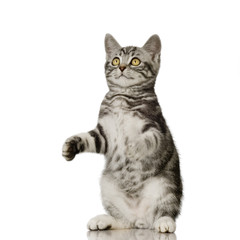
{"x": 130, "y": 234}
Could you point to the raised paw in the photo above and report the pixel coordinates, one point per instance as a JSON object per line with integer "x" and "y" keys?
{"x": 165, "y": 224}
{"x": 101, "y": 222}
{"x": 71, "y": 147}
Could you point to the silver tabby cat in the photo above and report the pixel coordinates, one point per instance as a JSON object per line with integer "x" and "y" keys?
{"x": 141, "y": 184}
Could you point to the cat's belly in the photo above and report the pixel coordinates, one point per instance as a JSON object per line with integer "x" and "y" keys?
{"x": 122, "y": 130}
{"x": 127, "y": 175}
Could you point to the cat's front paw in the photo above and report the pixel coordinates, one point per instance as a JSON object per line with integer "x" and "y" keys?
{"x": 71, "y": 147}
{"x": 101, "y": 222}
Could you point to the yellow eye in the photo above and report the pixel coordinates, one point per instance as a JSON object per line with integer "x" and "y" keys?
{"x": 135, "y": 62}
{"x": 116, "y": 61}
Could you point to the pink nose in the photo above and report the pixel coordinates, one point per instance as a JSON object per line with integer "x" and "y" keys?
{"x": 122, "y": 67}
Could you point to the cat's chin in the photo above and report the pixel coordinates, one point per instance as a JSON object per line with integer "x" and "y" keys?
{"x": 122, "y": 76}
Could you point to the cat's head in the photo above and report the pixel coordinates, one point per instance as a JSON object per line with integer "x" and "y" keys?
{"x": 132, "y": 66}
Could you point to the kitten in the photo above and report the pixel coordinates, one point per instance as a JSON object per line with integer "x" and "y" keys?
{"x": 141, "y": 184}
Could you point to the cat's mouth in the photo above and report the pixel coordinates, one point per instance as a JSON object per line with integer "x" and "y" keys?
{"x": 122, "y": 75}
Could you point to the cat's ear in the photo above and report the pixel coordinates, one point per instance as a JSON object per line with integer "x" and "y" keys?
{"x": 111, "y": 45}
{"x": 153, "y": 45}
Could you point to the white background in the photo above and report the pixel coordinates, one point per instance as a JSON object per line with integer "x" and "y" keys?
{"x": 51, "y": 86}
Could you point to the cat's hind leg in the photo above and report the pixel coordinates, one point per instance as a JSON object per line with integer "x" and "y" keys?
{"x": 104, "y": 222}
{"x": 159, "y": 204}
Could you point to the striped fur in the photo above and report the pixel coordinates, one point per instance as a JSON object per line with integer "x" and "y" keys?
{"x": 141, "y": 183}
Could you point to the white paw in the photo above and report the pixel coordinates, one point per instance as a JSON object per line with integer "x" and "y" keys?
{"x": 165, "y": 224}
{"x": 101, "y": 222}
{"x": 141, "y": 224}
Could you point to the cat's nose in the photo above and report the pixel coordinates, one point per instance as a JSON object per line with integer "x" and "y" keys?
{"x": 122, "y": 67}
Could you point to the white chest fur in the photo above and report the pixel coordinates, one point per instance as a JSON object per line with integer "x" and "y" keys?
{"x": 121, "y": 126}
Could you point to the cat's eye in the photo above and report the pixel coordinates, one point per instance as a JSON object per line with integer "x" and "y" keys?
{"x": 135, "y": 62}
{"x": 115, "y": 61}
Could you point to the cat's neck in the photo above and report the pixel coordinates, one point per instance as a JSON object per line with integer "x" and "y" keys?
{"x": 131, "y": 91}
